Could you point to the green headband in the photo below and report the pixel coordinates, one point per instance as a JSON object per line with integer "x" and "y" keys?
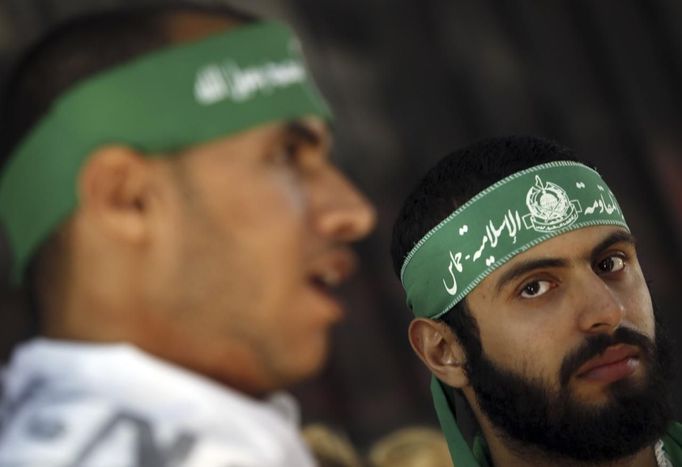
{"x": 159, "y": 103}
{"x": 505, "y": 219}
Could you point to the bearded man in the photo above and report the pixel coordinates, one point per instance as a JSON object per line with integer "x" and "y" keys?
{"x": 532, "y": 312}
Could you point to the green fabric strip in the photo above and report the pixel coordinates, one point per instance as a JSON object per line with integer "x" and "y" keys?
{"x": 459, "y": 449}
{"x": 672, "y": 443}
{"x": 507, "y": 218}
{"x": 159, "y": 104}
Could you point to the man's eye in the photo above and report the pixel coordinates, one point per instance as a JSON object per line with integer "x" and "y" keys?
{"x": 287, "y": 154}
{"x": 611, "y": 264}
{"x": 535, "y": 289}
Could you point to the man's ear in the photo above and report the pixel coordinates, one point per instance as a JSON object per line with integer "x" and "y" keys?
{"x": 439, "y": 349}
{"x": 113, "y": 191}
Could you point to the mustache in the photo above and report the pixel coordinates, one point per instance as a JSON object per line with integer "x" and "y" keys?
{"x": 597, "y": 344}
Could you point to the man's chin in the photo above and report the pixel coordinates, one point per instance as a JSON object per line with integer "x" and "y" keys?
{"x": 582, "y": 422}
{"x": 311, "y": 360}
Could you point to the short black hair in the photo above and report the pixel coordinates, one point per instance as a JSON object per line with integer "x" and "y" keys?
{"x": 81, "y": 47}
{"x": 454, "y": 180}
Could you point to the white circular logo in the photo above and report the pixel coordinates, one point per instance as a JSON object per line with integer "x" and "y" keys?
{"x": 549, "y": 206}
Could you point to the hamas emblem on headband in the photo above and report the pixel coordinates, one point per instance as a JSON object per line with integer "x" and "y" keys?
{"x": 549, "y": 206}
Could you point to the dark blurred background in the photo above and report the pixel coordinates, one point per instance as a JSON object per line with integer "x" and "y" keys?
{"x": 412, "y": 80}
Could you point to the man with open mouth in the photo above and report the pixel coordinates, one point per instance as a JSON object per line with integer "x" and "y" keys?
{"x": 171, "y": 207}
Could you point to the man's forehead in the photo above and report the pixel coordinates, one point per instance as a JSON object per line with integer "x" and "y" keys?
{"x": 575, "y": 243}
{"x": 312, "y": 130}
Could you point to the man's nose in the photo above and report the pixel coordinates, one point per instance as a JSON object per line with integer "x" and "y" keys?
{"x": 342, "y": 212}
{"x": 602, "y": 311}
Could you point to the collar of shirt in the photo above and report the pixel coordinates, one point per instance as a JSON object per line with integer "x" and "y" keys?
{"x": 121, "y": 376}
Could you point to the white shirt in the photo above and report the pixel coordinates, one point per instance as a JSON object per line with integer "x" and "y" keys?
{"x": 90, "y": 405}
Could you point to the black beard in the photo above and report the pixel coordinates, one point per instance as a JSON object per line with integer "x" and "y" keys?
{"x": 528, "y": 414}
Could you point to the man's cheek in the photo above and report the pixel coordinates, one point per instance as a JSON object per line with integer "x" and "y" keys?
{"x": 641, "y": 314}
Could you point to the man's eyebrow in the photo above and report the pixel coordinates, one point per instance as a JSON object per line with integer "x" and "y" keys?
{"x": 530, "y": 265}
{"x": 304, "y": 132}
{"x": 527, "y": 266}
{"x": 619, "y": 236}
